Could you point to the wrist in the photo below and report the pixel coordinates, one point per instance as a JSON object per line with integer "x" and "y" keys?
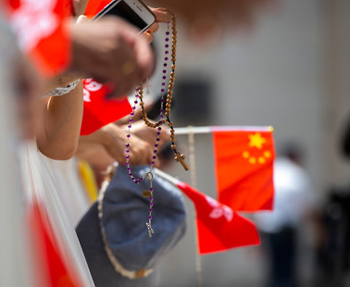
{"x": 106, "y": 135}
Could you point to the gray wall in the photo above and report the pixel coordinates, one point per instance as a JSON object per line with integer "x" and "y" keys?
{"x": 291, "y": 72}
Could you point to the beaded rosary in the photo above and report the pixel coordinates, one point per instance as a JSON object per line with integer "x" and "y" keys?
{"x": 164, "y": 117}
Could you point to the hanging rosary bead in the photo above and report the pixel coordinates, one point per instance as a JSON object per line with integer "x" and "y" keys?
{"x": 164, "y": 117}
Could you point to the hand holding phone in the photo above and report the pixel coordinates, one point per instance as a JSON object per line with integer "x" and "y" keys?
{"x": 111, "y": 50}
{"x": 133, "y": 11}
{"x": 90, "y": 41}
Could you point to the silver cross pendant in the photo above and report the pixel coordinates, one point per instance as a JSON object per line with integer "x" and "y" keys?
{"x": 150, "y": 230}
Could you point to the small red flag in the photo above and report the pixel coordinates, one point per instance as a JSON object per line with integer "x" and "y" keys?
{"x": 99, "y": 111}
{"x": 219, "y": 228}
{"x": 40, "y": 31}
{"x": 244, "y": 168}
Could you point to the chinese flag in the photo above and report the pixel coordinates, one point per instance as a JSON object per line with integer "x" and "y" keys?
{"x": 244, "y": 168}
{"x": 51, "y": 270}
{"x": 99, "y": 111}
{"x": 40, "y": 31}
{"x": 219, "y": 228}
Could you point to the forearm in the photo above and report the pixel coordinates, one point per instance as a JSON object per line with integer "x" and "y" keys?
{"x": 113, "y": 139}
{"x": 62, "y": 116}
{"x": 94, "y": 153}
{"x": 110, "y": 138}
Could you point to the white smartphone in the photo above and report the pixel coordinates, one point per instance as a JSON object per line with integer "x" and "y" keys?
{"x": 133, "y": 11}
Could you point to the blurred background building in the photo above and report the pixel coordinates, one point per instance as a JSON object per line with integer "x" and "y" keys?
{"x": 292, "y": 71}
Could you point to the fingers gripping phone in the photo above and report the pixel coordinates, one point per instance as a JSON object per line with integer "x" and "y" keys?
{"x": 133, "y": 11}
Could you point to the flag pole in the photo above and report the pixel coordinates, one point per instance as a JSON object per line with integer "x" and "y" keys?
{"x": 192, "y": 156}
{"x": 175, "y": 182}
{"x": 210, "y": 129}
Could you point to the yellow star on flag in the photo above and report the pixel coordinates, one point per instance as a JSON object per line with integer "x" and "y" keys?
{"x": 256, "y": 140}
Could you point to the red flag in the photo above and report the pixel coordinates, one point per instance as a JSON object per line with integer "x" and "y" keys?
{"x": 99, "y": 111}
{"x": 51, "y": 270}
{"x": 244, "y": 168}
{"x": 219, "y": 228}
{"x": 39, "y": 26}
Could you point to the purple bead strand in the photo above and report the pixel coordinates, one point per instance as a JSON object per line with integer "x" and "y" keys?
{"x": 164, "y": 77}
{"x": 150, "y": 204}
{"x": 138, "y": 98}
{"x": 127, "y": 151}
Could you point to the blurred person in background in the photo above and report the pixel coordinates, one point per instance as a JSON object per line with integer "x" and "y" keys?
{"x": 333, "y": 255}
{"x": 293, "y": 204}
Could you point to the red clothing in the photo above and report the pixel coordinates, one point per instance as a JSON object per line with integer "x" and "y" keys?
{"x": 39, "y": 26}
{"x": 41, "y": 33}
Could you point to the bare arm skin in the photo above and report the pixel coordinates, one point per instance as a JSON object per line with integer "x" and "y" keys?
{"x": 59, "y": 132}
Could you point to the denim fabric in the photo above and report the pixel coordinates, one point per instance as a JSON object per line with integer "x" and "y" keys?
{"x": 125, "y": 213}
